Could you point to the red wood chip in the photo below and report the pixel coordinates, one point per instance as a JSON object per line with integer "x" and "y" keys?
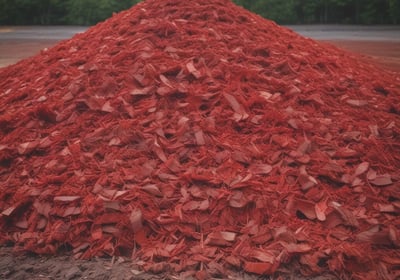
{"x": 195, "y": 135}
{"x": 259, "y": 267}
{"x": 382, "y": 180}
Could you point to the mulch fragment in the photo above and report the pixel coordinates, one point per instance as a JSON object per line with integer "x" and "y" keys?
{"x": 196, "y": 136}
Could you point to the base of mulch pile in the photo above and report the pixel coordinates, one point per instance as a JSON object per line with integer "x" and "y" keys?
{"x": 29, "y": 266}
{"x": 20, "y": 265}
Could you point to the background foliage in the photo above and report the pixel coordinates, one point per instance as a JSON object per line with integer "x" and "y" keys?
{"x": 88, "y": 12}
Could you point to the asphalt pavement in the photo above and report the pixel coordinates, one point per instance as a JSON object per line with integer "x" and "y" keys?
{"x": 48, "y": 33}
{"x": 349, "y": 32}
{"x": 318, "y": 32}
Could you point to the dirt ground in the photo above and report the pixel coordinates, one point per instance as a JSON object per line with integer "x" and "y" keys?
{"x": 386, "y": 54}
{"x": 22, "y": 266}
{"x": 15, "y": 265}
{"x": 28, "y": 266}
{"x": 14, "y": 50}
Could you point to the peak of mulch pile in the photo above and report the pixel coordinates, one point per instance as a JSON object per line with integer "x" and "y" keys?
{"x": 196, "y": 136}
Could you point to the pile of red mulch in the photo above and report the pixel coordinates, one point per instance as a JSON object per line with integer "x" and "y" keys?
{"x": 196, "y": 136}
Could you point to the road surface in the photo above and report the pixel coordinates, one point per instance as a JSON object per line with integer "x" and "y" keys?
{"x": 318, "y": 32}
{"x": 349, "y": 32}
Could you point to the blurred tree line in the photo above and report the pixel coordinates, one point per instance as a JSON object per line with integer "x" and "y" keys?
{"x": 327, "y": 11}
{"x": 88, "y": 12}
{"x": 71, "y": 12}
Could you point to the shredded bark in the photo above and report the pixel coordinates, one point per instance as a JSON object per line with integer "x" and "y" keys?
{"x": 196, "y": 136}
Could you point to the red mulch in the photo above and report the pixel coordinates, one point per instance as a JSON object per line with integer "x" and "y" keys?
{"x": 199, "y": 137}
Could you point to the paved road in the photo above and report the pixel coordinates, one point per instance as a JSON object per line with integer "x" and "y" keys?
{"x": 349, "y": 32}
{"x": 318, "y": 32}
{"x": 48, "y": 33}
